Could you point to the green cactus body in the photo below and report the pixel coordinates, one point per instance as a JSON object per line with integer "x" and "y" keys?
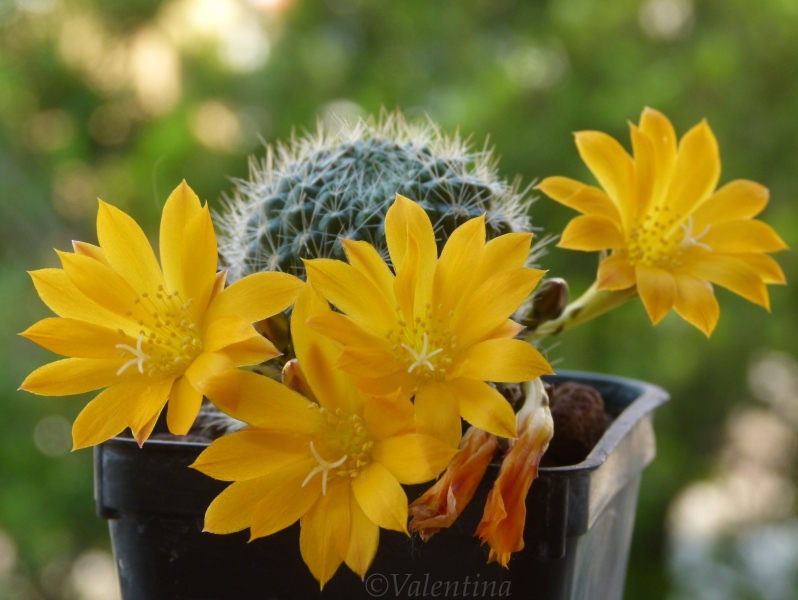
{"x": 315, "y": 189}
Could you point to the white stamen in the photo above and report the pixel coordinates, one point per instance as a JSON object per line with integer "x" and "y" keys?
{"x": 323, "y": 468}
{"x": 140, "y": 356}
{"x": 423, "y": 357}
{"x": 689, "y": 239}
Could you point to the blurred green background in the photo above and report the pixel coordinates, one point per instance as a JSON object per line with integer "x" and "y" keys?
{"x": 121, "y": 99}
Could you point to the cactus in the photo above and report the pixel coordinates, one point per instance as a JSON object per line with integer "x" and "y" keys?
{"x": 317, "y": 188}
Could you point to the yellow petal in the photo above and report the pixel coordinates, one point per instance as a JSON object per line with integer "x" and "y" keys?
{"x": 73, "y": 376}
{"x": 611, "y": 165}
{"x": 91, "y": 251}
{"x": 615, "y": 273}
{"x": 181, "y": 206}
{"x": 406, "y": 281}
{"x": 508, "y": 329}
{"x": 456, "y": 268}
{"x": 324, "y": 533}
{"x": 697, "y": 170}
{"x": 205, "y": 366}
{"x": 199, "y": 263}
{"x": 218, "y": 285}
{"x": 508, "y": 251}
{"x": 104, "y": 286}
{"x": 232, "y": 510}
{"x": 253, "y": 351}
{"x": 732, "y": 273}
{"x": 591, "y": 200}
{"x": 696, "y": 303}
{"x": 406, "y": 216}
{"x": 657, "y": 289}
{"x": 739, "y": 199}
{"x": 64, "y": 299}
{"x": 143, "y": 434}
{"x": 388, "y": 384}
{"x": 79, "y": 339}
{"x": 256, "y": 297}
{"x": 438, "y": 413}
{"x": 225, "y": 331}
{"x": 743, "y": 237}
{"x": 140, "y": 412}
{"x": 363, "y": 539}
{"x": 262, "y": 402}
{"x": 493, "y": 303}
{"x": 559, "y": 188}
{"x": 183, "y": 406}
{"x": 365, "y": 258}
{"x": 351, "y": 292}
{"x": 285, "y": 502}
{"x": 591, "y": 233}
{"x": 767, "y": 268}
{"x": 388, "y": 415}
{"x": 663, "y": 139}
{"x": 104, "y": 417}
{"x": 343, "y": 330}
{"x": 414, "y": 457}
{"x": 127, "y": 249}
{"x": 506, "y": 361}
{"x": 252, "y": 453}
{"x": 317, "y": 356}
{"x": 645, "y": 167}
{"x": 368, "y": 362}
{"x": 381, "y": 497}
{"x": 484, "y": 407}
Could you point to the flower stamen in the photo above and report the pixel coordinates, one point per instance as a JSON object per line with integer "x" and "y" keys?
{"x": 324, "y": 468}
{"x": 422, "y": 359}
{"x": 137, "y": 352}
{"x": 691, "y": 240}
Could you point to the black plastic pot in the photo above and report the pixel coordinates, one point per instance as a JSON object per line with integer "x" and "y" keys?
{"x": 579, "y": 527}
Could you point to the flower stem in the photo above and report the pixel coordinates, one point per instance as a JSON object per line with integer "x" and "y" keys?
{"x": 588, "y": 306}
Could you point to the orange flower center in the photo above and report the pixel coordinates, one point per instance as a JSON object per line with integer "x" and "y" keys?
{"x": 662, "y": 238}
{"x": 426, "y": 346}
{"x": 342, "y": 447}
{"x": 168, "y": 341}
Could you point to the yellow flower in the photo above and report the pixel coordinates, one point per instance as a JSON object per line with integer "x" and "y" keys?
{"x": 436, "y": 328}
{"x": 670, "y": 232}
{"x": 336, "y": 465}
{"x": 146, "y": 334}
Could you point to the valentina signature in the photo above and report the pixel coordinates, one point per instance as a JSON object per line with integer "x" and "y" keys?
{"x": 406, "y": 586}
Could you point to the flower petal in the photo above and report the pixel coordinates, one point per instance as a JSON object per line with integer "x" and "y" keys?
{"x": 262, "y": 402}
{"x": 406, "y": 216}
{"x": 663, "y": 139}
{"x": 484, "y": 407}
{"x": 389, "y": 415}
{"x": 252, "y": 453}
{"x": 325, "y": 531}
{"x": 256, "y": 297}
{"x": 91, "y": 251}
{"x": 73, "y": 376}
{"x": 767, "y": 268}
{"x": 365, "y": 258}
{"x": 743, "y": 237}
{"x": 381, "y": 497}
{"x": 225, "y": 331}
{"x": 64, "y": 299}
{"x": 79, "y": 339}
{"x": 697, "y": 170}
{"x": 351, "y": 292}
{"x": 414, "y": 457}
{"x": 181, "y": 206}
{"x": 205, "y": 366}
{"x": 408, "y": 297}
{"x": 104, "y": 417}
{"x": 645, "y": 167}
{"x": 140, "y": 413}
{"x": 127, "y": 249}
{"x": 590, "y": 200}
{"x": 438, "y": 413}
{"x": 368, "y": 362}
{"x": 492, "y": 303}
{"x": 253, "y": 351}
{"x": 657, "y": 289}
{"x": 615, "y": 273}
{"x": 696, "y": 303}
{"x": 506, "y": 361}
{"x": 591, "y": 233}
{"x": 183, "y": 406}
{"x": 199, "y": 263}
{"x": 455, "y": 269}
{"x": 735, "y": 274}
{"x": 286, "y": 501}
{"x": 611, "y": 165}
{"x": 559, "y": 188}
{"x": 508, "y": 251}
{"x": 233, "y": 509}
{"x": 343, "y": 330}
{"x": 363, "y": 539}
{"x": 739, "y": 199}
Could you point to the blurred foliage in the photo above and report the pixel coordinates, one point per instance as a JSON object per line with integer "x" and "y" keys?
{"x": 122, "y": 99}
